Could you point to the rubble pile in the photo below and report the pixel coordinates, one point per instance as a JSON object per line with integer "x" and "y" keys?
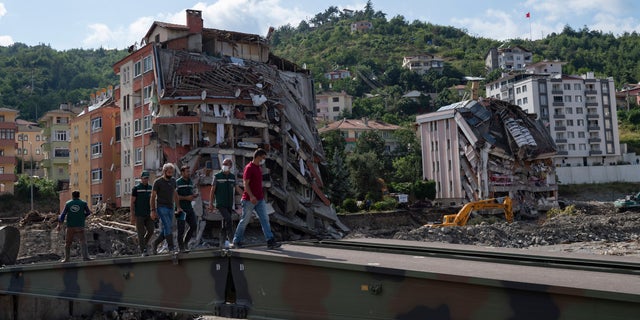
{"x": 615, "y": 233}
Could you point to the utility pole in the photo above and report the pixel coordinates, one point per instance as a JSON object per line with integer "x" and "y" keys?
{"x": 31, "y": 173}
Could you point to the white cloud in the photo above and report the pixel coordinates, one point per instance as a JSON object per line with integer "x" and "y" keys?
{"x": 6, "y": 41}
{"x": 3, "y": 10}
{"x": 494, "y": 24}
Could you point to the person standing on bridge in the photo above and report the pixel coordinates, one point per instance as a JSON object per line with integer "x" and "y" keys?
{"x": 163, "y": 199}
{"x": 76, "y": 212}
{"x": 222, "y": 198}
{"x": 184, "y": 186}
{"x": 253, "y": 198}
{"x": 141, "y": 212}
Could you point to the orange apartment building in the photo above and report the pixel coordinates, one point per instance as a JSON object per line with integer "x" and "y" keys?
{"x": 94, "y": 158}
{"x": 8, "y": 128}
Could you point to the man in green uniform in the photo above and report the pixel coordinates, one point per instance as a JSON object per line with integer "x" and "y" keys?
{"x": 184, "y": 186}
{"x": 222, "y": 198}
{"x": 141, "y": 212}
{"x": 76, "y": 212}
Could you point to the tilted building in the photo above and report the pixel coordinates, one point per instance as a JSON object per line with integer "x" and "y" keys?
{"x": 485, "y": 149}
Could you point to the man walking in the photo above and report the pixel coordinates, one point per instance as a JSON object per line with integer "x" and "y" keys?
{"x": 185, "y": 194}
{"x": 253, "y": 198}
{"x": 163, "y": 198}
{"x": 76, "y": 212}
{"x": 141, "y": 212}
{"x": 222, "y": 198}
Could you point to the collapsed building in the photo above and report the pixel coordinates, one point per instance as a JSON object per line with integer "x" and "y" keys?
{"x": 488, "y": 148}
{"x": 217, "y": 94}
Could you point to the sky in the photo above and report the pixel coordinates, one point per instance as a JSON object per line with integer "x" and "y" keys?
{"x": 117, "y": 24}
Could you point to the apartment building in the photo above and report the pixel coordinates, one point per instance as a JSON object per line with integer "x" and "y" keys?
{"x": 331, "y": 105}
{"x": 578, "y": 111}
{"x": 338, "y": 74}
{"x": 93, "y": 155}
{"x": 351, "y": 129}
{"x": 29, "y": 141}
{"x": 423, "y": 63}
{"x": 361, "y": 26}
{"x": 56, "y": 145}
{"x": 508, "y": 59}
{"x": 486, "y": 149}
{"x": 8, "y": 128}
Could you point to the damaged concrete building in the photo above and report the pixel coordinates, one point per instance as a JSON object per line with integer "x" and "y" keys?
{"x": 211, "y": 94}
{"x": 485, "y": 149}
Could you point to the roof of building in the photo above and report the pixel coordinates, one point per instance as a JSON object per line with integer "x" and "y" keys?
{"x": 358, "y": 124}
{"x": 8, "y": 110}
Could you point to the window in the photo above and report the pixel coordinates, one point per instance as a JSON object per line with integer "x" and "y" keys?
{"x": 524, "y": 89}
{"x": 581, "y": 134}
{"x": 60, "y": 135}
{"x": 147, "y": 63}
{"x": 580, "y": 122}
{"x": 136, "y": 69}
{"x": 542, "y": 87}
{"x": 96, "y": 198}
{"x": 519, "y": 102}
{"x": 543, "y": 100}
{"x": 118, "y": 189}
{"x": 335, "y": 99}
{"x": 582, "y": 146}
{"x": 1, "y": 170}
{"x": 579, "y": 110}
{"x": 567, "y": 98}
{"x": 127, "y": 130}
{"x": 138, "y": 155}
{"x": 336, "y": 109}
{"x": 518, "y": 90}
{"x": 568, "y": 110}
{"x": 571, "y": 135}
{"x": 578, "y": 99}
{"x": 118, "y": 134}
{"x": 7, "y": 134}
{"x": 37, "y": 137}
{"x": 556, "y": 87}
{"x": 146, "y": 93}
{"x": 96, "y": 150}
{"x": 96, "y": 175}
{"x": 137, "y": 128}
{"x": 525, "y": 100}
{"x": 96, "y": 124}
{"x": 572, "y": 147}
{"x": 62, "y": 120}
{"x": 126, "y": 159}
{"x": 577, "y": 86}
{"x": 147, "y": 123}
{"x": 61, "y": 153}
{"x": 570, "y": 123}
{"x": 567, "y": 86}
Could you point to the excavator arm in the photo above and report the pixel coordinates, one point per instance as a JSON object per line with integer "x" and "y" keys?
{"x": 461, "y": 218}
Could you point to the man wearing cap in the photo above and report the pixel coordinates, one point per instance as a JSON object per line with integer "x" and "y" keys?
{"x": 184, "y": 186}
{"x": 222, "y": 198}
{"x": 141, "y": 212}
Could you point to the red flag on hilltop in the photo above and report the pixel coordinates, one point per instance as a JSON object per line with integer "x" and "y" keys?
{"x": 528, "y": 15}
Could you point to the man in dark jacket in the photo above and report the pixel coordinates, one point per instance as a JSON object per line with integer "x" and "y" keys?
{"x": 141, "y": 212}
{"x": 75, "y": 211}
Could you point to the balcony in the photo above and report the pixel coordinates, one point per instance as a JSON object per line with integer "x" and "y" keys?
{"x": 595, "y": 152}
{"x": 561, "y": 128}
{"x": 558, "y": 116}
{"x": 591, "y": 91}
{"x": 561, "y": 140}
{"x": 558, "y": 92}
{"x": 594, "y": 140}
{"x": 593, "y": 116}
{"x": 562, "y": 152}
{"x": 8, "y": 177}
{"x": 558, "y": 104}
{"x": 5, "y": 160}
{"x": 593, "y": 128}
{"x": 591, "y": 103}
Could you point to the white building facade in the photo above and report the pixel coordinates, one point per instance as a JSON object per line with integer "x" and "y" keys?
{"x": 579, "y": 112}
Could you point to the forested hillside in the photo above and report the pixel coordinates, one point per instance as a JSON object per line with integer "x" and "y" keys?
{"x": 38, "y": 79}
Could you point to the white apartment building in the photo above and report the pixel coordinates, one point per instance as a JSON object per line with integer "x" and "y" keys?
{"x": 579, "y": 111}
{"x": 331, "y": 104}
{"x": 508, "y": 59}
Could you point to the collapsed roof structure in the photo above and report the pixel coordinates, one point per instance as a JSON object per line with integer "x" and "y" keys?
{"x": 219, "y": 94}
{"x": 499, "y": 149}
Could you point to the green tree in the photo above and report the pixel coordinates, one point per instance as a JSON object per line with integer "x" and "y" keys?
{"x": 424, "y": 189}
{"x": 365, "y": 174}
{"x": 370, "y": 141}
{"x": 339, "y": 186}
{"x": 333, "y": 142}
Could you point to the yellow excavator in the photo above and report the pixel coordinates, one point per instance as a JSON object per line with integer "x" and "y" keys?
{"x": 461, "y": 218}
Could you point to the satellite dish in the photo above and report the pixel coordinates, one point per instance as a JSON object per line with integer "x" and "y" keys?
{"x": 204, "y": 94}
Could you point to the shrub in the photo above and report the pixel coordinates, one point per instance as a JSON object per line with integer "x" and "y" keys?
{"x": 350, "y": 205}
{"x": 388, "y": 203}
{"x": 568, "y": 210}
